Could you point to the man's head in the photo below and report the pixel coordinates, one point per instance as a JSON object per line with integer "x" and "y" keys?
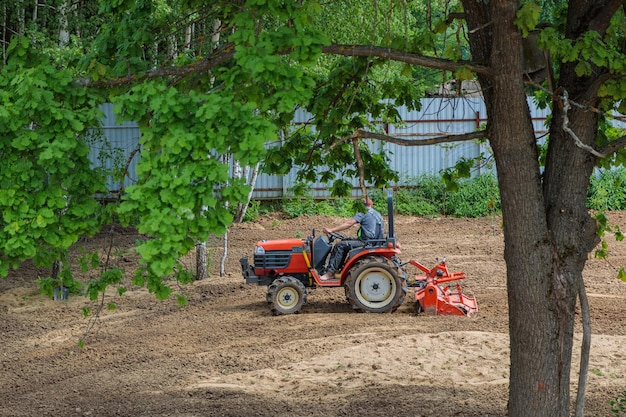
{"x": 367, "y": 202}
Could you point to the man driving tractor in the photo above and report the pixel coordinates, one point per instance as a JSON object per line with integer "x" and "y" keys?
{"x": 372, "y": 227}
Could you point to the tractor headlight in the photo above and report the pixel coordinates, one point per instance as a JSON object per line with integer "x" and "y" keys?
{"x": 260, "y": 250}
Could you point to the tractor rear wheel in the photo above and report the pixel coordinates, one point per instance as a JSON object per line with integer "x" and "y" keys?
{"x": 374, "y": 286}
{"x": 286, "y": 295}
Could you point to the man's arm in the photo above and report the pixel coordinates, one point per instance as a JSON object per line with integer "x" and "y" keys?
{"x": 345, "y": 225}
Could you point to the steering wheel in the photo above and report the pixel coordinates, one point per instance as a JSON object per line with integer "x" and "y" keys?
{"x": 334, "y": 235}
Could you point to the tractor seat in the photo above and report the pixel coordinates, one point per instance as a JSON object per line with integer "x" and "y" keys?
{"x": 381, "y": 242}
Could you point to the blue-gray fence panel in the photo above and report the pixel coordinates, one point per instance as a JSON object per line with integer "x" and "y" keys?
{"x": 436, "y": 117}
{"x": 120, "y": 142}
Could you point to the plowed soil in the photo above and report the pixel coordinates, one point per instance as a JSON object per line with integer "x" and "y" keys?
{"x": 224, "y": 354}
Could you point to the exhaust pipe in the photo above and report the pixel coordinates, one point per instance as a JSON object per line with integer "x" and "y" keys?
{"x": 391, "y": 233}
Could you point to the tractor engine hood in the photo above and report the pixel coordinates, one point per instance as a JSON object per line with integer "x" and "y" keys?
{"x": 279, "y": 244}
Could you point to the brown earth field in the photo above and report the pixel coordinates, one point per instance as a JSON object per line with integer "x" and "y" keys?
{"x": 225, "y": 354}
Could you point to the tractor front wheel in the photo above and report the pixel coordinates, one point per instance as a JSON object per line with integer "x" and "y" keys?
{"x": 374, "y": 286}
{"x": 286, "y": 295}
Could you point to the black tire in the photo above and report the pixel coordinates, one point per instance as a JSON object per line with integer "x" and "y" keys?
{"x": 374, "y": 286}
{"x": 286, "y": 295}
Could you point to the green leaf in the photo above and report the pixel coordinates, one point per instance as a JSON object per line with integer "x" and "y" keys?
{"x": 583, "y": 68}
{"x": 463, "y": 73}
{"x": 602, "y": 252}
{"x": 527, "y": 17}
{"x": 602, "y": 222}
{"x": 181, "y": 300}
{"x": 139, "y": 277}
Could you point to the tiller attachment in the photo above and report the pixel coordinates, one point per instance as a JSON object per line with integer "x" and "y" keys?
{"x": 434, "y": 298}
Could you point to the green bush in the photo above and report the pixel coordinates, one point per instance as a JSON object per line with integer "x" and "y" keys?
{"x": 299, "y": 206}
{"x": 253, "y": 211}
{"x": 413, "y": 202}
{"x": 427, "y": 196}
{"x": 325, "y": 208}
{"x": 423, "y": 198}
{"x": 607, "y": 190}
{"x": 303, "y": 206}
{"x": 475, "y": 197}
{"x": 432, "y": 189}
{"x": 345, "y": 207}
{"x": 64, "y": 279}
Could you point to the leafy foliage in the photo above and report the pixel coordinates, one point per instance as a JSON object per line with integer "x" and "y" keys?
{"x": 46, "y": 182}
{"x": 353, "y": 96}
{"x": 607, "y": 190}
{"x": 186, "y": 132}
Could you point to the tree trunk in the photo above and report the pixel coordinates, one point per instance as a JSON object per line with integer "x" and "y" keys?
{"x": 201, "y": 261}
{"x": 567, "y": 173}
{"x": 241, "y": 210}
{"x": 64, "y": 35}
{"x": 35, "y": 11}
{"x": 535, "y": 344}
{"x": 238, "y": 173}
{"x": 5, "y": 39}
{"x": 242, "y": 207}
{"x": 548, "y": 230}
{"x": 544, "y": 262}
{"x": 21, "y": 17}
{"x": 188, "y": 36}
{"x": 225, "y": 160}
{"x": 566, "y": 180}
{"x": 224, "y": 255}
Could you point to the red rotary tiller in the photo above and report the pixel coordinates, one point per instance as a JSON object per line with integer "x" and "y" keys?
{"x": 433, "y": 296}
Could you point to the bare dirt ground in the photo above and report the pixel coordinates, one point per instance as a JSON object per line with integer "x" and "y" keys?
{"x": 225, "y": 355}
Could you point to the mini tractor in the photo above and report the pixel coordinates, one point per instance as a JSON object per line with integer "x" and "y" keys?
{"x": 373, "y": 276}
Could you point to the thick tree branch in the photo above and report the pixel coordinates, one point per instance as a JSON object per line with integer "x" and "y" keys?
{"x": 125, "y": 172}
{"x": 219, "y": 56}
{"x": 227, "y": 52}
{"x": 614, "y": 146}
{"x": 605, "y": 12}
{"x": 566, "y": 128}
{"x": 409, "y": 142}
{"x": 403, "y": 56}
{"x": 360, "y": 166}
{"x": 602, "y": 152}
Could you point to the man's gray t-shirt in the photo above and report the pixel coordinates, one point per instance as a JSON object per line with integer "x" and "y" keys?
{"x": 372, "y": 224}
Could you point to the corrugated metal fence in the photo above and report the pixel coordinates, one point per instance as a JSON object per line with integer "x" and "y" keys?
{"x": 437, "y": 117}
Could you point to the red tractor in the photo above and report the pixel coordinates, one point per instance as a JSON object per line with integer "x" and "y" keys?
{"x": 374, "y": 277}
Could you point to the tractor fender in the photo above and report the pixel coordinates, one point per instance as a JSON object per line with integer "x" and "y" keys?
{"x": 366, "y": 252}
